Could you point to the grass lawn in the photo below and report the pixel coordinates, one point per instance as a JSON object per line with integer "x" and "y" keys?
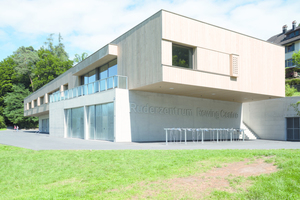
{"x": 2, "y": 129}
{"x": 126, "y": 174}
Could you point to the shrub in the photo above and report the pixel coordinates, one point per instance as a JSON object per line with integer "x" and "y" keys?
{"x": 288, "y": 82}
{"x": 289, "y": 91}
{"x": 2, "y": 122}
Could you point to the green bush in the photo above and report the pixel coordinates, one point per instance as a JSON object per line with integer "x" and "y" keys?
{"x": 288, "y": 82}
{"x": 289, "y": 91}
{"x": 294, "y": 81}
{"x": 2, "y": 122}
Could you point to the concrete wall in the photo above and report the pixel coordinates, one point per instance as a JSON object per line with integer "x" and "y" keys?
{"x": 268, "y": 118}
{"x": 258, "y": 61}
{"x": 150, "y": 113}
{"x": 139, "y": 53}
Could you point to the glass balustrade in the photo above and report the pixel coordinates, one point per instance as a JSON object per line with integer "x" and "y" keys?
{"x": 91, "y": 88}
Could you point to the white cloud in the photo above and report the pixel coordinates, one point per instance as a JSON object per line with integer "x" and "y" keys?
{"x": 90, "y": 24}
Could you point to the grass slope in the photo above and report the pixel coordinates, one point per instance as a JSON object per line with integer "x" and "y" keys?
{"x": 28, "y": 174}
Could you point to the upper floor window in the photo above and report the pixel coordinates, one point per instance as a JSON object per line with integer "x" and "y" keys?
{"x": 182, "y": 56}
{"x": 289, "y": 63}
{"x": 41, "y": 100}
{"x": 290, "y": 48}
{"x": 104, "y": 71}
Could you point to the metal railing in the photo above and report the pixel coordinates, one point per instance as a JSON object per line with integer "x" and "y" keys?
{"x": 176, "y": 135}
{"x": 91, "y": 88}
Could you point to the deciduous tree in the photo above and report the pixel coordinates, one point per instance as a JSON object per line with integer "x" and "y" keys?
{"x": 49, "y": 67}
{"x": 25, "y": 59}
{"x": 14, "y": 109}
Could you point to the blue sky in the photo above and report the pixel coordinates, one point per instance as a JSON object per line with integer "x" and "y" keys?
{"x": 88, "y": 25}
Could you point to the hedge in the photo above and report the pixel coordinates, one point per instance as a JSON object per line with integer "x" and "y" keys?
{"x": 295, "y": 81}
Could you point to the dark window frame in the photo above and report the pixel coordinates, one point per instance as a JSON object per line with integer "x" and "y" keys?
{"x": 190, "y": 56}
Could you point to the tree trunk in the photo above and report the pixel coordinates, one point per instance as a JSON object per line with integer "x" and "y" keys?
{"x": 31, "y": 83}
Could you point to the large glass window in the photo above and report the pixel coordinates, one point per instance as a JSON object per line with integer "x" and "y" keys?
{"x": 101, "y": 121}
{"x": 45, "y": 126}
{"x": 103, "y": 72}
{"x": 182, "y": 56}
{"x": 75, "y": 122}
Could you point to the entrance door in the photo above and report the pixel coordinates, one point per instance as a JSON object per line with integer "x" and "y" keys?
{"x": 293, "y": 128}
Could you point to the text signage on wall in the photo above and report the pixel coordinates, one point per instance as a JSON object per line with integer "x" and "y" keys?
{"x": 148, "y": 109}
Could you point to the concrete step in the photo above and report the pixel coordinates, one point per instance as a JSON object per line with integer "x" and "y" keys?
{"x": 249, "y": 133}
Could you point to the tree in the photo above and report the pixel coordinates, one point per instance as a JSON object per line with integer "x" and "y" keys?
{"x": 14, "y": 109}
{"x": 58, "y": 50}
{"x": 296, "y": 59}
{"x": 2, "y": 122}
{"x": 49, "y": 67}
{"x": 78, "y": 58}
{"x": 25, "y": 59}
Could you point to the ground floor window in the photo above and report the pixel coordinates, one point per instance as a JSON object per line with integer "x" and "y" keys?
{"x": 75, "y": 122}
{"x": 45, "y": 126}
{"x": 101, "y": 122}
{"x": 293, "y": 128}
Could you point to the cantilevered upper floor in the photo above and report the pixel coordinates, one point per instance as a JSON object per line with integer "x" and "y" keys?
{"x": 172, "y": 54}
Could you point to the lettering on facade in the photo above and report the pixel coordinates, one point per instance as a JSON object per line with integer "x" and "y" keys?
{"x": 160, "y": 110}
{"x": 147, "y": 109}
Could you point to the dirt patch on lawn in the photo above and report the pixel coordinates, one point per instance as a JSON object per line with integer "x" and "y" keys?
{"x": 230, "y": 177}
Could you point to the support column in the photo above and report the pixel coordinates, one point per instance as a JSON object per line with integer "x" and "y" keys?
{"x": 86, "y": 128}
{"x": 46, "y": 98}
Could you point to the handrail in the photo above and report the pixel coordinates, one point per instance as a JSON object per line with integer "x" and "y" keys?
{"x": 91, "y": 88}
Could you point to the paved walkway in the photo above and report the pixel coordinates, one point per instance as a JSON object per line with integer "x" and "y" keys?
{"x": 31, "y": 140}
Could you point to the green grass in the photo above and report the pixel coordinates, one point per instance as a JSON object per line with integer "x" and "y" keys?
{"x": 84, "y": 174}
{"x": 3, "y": 129}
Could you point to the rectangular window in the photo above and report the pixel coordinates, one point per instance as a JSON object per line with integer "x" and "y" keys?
{"x": 104, "y": 71}
{"x": 101, "y": 121}
{"x": 289, "y": 63}
{"x": 75, "y": 122}
{"x": 182, "y": 56}
{"x": 290, "y": 48}
{"x": 41, "y": 100}
{"x": 293, "y": 129}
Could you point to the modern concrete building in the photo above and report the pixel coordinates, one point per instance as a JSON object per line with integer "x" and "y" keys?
{"x": 168, "y": 71}
{"x": 290, "y": 39}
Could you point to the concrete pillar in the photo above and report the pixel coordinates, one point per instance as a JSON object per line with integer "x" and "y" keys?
{"x": 86, "y": 128}
{"x": 38, "y": 101}
{"x": 122, "y": 125}
{"x": 27, "y": 106}
{"x": 46, "y": 98}
{"x": 32, "y": 104}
